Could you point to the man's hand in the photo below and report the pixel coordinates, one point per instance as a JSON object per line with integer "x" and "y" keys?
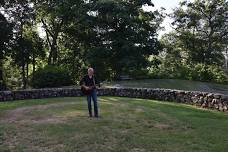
{"x": 87, "y": 88}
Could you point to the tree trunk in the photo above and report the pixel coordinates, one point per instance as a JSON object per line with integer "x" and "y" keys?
{"x": 1, "y": 74}
{"x": 1, "y": 67}
{"x": 210, "y": 41}
{"x": 27, "y": 71}
{"x": 55, "y": 54}
{"x": 52, "y": 41}
{"x": 24, "y": 77}
{"x": 33, "y": 65}
{"x": 52, "y": 59}
{"x": 2, "y": 82}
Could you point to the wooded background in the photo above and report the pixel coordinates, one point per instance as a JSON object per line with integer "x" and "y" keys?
{"x": 116, "y": 37}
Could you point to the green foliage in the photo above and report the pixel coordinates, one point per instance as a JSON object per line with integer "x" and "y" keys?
{"x": 139, "y": 74}
{"x": 99, "y": 60}
{"x": 193, "y": 51}
{"x": 125, "y": 35}
{"x": 12, "y": 74}
{"x": 115, "y": 37}
{"x": 6, "y": 33}
{"x": 51, "y": 76}
{"x": 201, "y": 30}
{"x": 203, "y": 72}
{"x": 59, "y": 19}
{"x": 21, "y": 51}
{"x": 2, "y": 86}
{"x": 198, "y": 72}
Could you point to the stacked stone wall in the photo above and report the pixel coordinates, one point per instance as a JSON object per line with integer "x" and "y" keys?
{"x": 203, "y": 99}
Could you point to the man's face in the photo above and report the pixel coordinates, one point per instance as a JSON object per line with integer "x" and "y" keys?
{"x": 90, "y": 72}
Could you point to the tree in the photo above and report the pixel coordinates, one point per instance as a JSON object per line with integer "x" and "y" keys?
{"x": 21, "y": 56}
{"x": 76, "y": 38}
{"x": 54, "y": 15}
{"x": 202, "y": 30}
{"x": 6, "y": 31}
{"x": 21, "y": 15}
{"x": 173, "y": 57}
{"x": 26, "y": 50}
{"x": 126, "y": 36}
{"x": 194, "y": 50}
{"x": 37, "y": 50}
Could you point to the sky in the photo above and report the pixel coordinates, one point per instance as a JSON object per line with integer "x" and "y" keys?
{"x": 169, "y": 5}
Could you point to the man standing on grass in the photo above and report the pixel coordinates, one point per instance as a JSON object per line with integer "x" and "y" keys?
{"x": 88, "y": 84}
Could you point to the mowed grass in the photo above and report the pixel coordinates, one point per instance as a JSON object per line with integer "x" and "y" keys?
{"x": 126, "y": 125}
{"x": 172, "y": 84}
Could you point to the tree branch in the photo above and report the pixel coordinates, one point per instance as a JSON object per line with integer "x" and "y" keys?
{"x": 46, "y": 27}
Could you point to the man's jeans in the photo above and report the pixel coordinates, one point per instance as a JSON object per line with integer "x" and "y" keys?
{"x": 92, "y": 95}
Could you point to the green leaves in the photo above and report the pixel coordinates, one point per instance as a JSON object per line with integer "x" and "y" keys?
{"x": 201, "y": 27}
{"x": 196, "y": 45}
{"x": 6, "y": 32}
{"x": 51, "y": 76}
{"x": 125, "y": 31}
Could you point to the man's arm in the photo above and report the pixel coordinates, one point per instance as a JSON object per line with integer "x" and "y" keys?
{"x": 82, "y": 83}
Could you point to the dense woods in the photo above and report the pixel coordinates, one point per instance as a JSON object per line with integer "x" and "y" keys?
{"x": 49, "y": 43}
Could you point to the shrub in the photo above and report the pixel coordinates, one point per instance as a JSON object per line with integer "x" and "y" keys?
{"x": 218, "y": 75}
{"x": 200, "y": 72}
{"x": 197, "y": 72}
{"x": 2, "y": 86}
{"x": 211, "y": 73}
{"x": 51, "y": 76}
{"x": 139, "y": 74}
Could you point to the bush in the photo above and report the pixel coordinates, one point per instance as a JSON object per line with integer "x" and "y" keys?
{"x": 197, "y": 72}
{"x": 138, "y": 74}
{"x": 200, "y": 72}
{"x": 2, "y": 86}
{"x": 51, "y": 76}
{"x": 209, "y": 73}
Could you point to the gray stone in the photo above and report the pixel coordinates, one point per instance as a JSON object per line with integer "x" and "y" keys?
{"x": 203, "y": 99}
{"x": 217, "y": 96}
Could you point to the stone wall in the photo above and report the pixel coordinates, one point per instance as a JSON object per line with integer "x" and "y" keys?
{"x": 202, "y": 99}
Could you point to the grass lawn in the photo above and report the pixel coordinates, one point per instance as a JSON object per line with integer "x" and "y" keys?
{"x": 126, "y": 125}
{"x": 172, "y": 84}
